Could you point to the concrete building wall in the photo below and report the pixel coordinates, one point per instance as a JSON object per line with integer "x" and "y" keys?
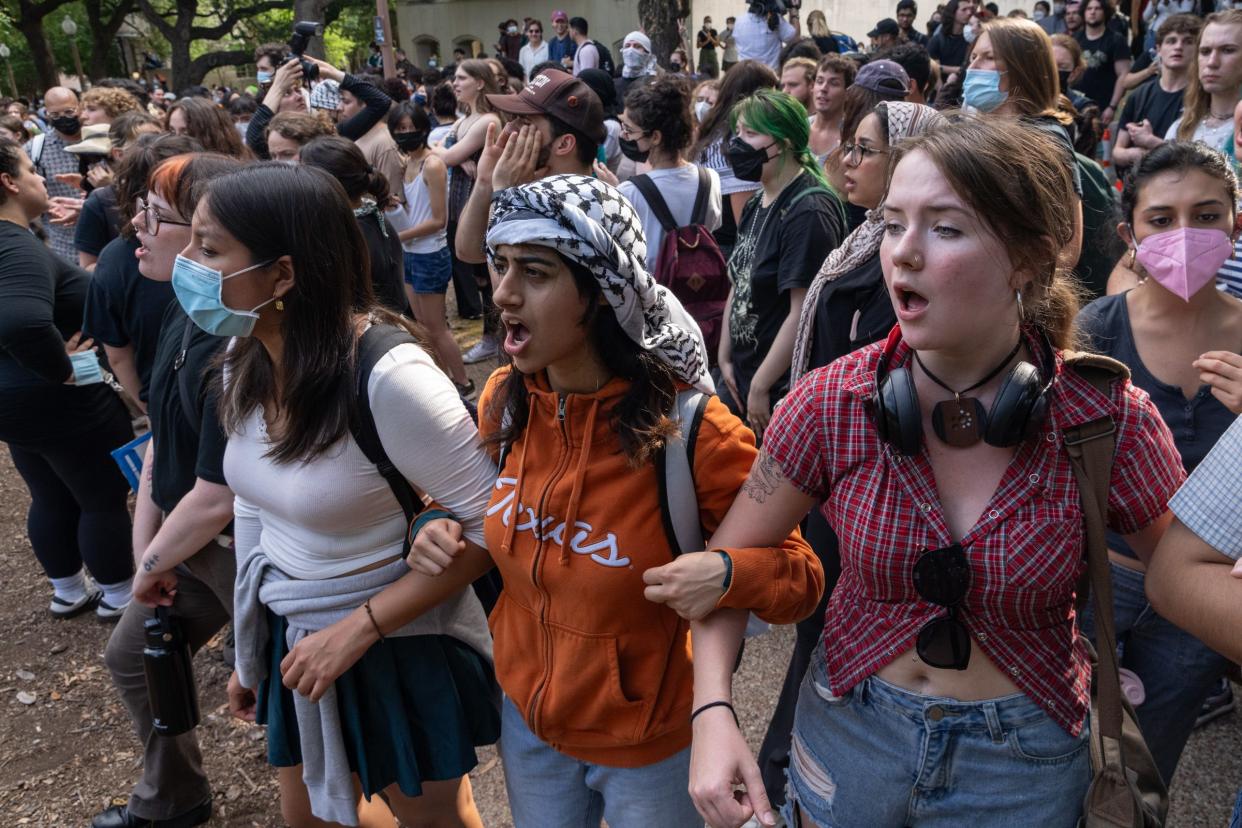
{"x": 427, "y": 27}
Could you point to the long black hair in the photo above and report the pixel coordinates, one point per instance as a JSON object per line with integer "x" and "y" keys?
{"x": 640, "y": 418}
{"x": 275, "y": 210}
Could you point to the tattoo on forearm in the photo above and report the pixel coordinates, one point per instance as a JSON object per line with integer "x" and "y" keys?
{"x": 150, "y": 563}
{"x": 765, "y": 477}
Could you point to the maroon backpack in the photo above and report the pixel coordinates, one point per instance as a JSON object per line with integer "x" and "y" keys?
{"x": 690, "y": 263}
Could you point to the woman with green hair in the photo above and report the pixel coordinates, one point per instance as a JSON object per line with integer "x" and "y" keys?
{"x": 786, "y": 231}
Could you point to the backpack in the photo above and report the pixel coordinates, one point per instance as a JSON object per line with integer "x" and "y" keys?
{"x": 374, "y": 343}
{"x": 605, "y": 60}
{"x": 36, "y": 145}
{"x": 690, "y": 263}
{"x": 1100, "y": 245}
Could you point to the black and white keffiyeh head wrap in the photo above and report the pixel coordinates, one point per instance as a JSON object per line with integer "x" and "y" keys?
{"x": 591, "y": 223}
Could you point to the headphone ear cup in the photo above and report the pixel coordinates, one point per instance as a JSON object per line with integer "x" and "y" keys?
{"x": 897, "y": 407}
{"x": 1018, "y": 409}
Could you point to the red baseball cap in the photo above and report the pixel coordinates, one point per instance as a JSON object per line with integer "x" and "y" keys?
{"x": 559, "y": 15}
{"x": 559, "y": 95}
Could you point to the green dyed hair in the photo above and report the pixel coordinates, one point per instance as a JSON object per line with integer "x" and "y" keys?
{"x": 779, "y": 115}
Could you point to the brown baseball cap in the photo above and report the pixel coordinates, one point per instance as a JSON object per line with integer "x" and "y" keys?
{"x": 560, "y": 95}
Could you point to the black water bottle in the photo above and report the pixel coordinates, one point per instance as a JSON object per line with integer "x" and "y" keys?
{"x": 169, "y": 668}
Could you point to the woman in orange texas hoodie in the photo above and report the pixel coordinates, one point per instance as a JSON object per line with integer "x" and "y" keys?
{"x": 593, "y": 657}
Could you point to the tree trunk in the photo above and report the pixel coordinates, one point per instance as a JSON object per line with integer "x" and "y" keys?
{"x": 103, "y": 31}
{"x": 658, "y": 19}
{"x": 30, "y": 24}
{"x": 312, "y": 10}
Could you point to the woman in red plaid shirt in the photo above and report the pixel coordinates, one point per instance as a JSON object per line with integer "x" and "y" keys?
{"x": 951, "y": 687}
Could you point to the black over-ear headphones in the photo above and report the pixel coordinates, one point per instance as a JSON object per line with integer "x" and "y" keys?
{"x": 1018, "y": 411}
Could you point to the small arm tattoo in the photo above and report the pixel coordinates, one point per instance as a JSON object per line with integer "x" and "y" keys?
{"x": 765, "y": 478}
{"x": 150, "y": 563}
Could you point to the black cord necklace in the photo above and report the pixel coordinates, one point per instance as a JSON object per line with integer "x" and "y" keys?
{"x": 959, "y": 422}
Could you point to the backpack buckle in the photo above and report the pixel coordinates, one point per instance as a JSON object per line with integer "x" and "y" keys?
{"x": 1085, "y": 434}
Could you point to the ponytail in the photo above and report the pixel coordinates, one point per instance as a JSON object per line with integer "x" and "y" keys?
{"x": 377, "y": 186}
{"x": 342, "y": 159}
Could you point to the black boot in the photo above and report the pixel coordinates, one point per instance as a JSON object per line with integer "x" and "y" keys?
{"x": 118, "y": 816}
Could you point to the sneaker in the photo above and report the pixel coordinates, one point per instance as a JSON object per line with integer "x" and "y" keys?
{"x": 109, "y": 614}
{"x": 60, "y": 608}
{"x": 485, "y": 348}
{"x": 466, "y": 390}
{"x": 1219, "y": 703}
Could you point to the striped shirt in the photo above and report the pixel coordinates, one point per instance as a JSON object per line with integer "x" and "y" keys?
{"x": 1025, "y": 551}
{"x": 1208, "y": 502}
{"x": 1229, "y": 277}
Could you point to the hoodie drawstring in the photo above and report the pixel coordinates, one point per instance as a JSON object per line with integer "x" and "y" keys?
{"x": 575, "y": 496}
{"x": 515, "y": 513}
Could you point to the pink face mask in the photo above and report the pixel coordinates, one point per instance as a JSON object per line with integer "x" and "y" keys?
{"x": 1185, "y": 260}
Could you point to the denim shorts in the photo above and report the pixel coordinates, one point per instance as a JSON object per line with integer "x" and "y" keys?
{"x": 429, "y": 272}
{"x": 886, "y": 757}
{"x": 548, "y": 789}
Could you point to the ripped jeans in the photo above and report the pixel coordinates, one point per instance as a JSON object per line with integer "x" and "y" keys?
{"x": 886, "y": 757}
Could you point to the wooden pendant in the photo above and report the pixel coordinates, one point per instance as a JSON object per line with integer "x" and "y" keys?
{"x": 959, "y": 422}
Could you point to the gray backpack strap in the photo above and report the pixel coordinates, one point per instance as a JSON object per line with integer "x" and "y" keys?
{"x": 36, "y": 150}
{"x": 680, "y": 501}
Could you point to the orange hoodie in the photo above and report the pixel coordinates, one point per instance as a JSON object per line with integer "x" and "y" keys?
{"x": 599, "y": 672}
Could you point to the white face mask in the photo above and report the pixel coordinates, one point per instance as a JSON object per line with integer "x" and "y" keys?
{"x": 700, "y": 110}
{"x": 634, "y": 58}
{"x": 1038, "y": 14}
{"x": 1058, "y": 8}
{"x": 968, "y": 32}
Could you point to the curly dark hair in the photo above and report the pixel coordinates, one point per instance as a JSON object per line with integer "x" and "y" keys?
{"x": 663, "y": 105}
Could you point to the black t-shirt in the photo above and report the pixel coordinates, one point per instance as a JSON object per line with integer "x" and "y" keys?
{"x": 41, "y": 300}
{"x": 1153, "y": 103}
{"x": 387, "y": 264}
{"x": 947, "y": 48}
{"x": 189, "y": 442}
{"x": 789, "y": 246}
{"x": 852, "y": 311}
{"x": 123, "y": 307}
{"x": 99, "y": 222}
{"x": 827, "y": 45}
{"x": 1100, "y": 78}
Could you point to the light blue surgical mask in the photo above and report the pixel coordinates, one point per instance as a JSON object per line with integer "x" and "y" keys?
{"x": 263, "y": 77}
{"x": 86, "y": 370}
{"x": 198, "y": 289}
{"x": 981, "y": 89}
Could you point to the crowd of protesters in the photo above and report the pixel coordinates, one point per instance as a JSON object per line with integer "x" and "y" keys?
{"x": 782, "y": 328}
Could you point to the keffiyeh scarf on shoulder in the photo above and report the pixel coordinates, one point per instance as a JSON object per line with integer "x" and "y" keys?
{"x": 904, "y": 120}
{"x": 591, "y": 223}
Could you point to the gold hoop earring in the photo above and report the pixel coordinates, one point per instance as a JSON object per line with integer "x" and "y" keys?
{"x": 280, "y": 304}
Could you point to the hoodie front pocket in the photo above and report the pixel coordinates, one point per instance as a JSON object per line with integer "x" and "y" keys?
{"x": 582, "y": 702}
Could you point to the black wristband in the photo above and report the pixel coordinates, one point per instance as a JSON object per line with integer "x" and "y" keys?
{"x": 710, "y": 705}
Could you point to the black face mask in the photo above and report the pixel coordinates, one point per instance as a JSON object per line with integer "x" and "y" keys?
{"x": 631, "y": 151}
{"x": 1064, "y": 77}
{"x": 747, "y": 161}
{"x": 410, "y": 141}
{"x": 66, "y": 124}
{"x": 674, "y": 67}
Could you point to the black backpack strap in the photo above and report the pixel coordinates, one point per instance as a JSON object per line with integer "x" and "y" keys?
{"x": 374, "y": 343}
{"x": 699, "y": 214}
{"x": 651, "y": 193}
{"x": 189, "y": 400}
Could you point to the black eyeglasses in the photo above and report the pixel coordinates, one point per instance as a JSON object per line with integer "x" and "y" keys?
{"x": 849, "y": 148}
{"x": 152, "y": 218}
{"x": 942, "y": 577}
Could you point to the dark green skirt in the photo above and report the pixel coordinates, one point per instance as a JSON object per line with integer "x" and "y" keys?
{"x": 412, "y": 709}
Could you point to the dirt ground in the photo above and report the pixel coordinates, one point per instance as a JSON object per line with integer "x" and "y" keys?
{"x": 67, "y": 751}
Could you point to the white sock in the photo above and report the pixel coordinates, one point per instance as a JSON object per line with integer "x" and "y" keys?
{"x": 71, "y": 589}
{"x": 118, "y": 594}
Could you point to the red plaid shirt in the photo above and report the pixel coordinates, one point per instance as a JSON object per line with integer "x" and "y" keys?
{"x": 1025, "y": 552}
